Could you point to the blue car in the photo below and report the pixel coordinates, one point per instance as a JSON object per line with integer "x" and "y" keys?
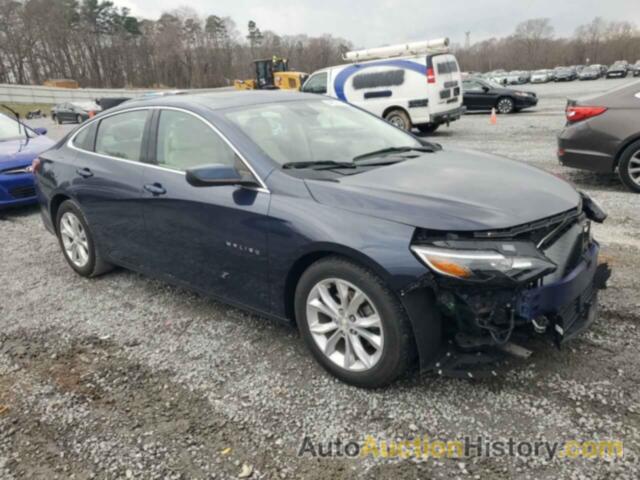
{"x": 384, "y": 249}
{"x": 19, "y": 145}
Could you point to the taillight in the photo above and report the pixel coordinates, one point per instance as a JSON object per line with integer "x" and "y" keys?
{"x": 431, "y": 75}
{"x": 36, "y": 164}
{"x": 578, "y": 113}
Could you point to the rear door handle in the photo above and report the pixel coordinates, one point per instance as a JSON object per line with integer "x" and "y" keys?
{"x": 155, "y": 188}
{"x": 84, "y": 172}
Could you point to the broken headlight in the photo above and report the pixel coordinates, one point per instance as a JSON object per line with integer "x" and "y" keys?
{"x": 484, "y": 264}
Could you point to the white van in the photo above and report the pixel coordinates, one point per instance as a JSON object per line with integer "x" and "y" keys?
{"x": 413, "y": 85}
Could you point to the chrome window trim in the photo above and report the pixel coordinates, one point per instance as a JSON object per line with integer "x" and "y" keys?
{"x": 70, "y": 144}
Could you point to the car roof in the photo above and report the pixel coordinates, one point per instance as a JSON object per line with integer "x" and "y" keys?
{"x": 219, "y": 100}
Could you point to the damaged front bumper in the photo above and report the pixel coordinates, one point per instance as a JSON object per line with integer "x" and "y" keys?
{"x": 570, "y": 303}
{"x": 484, "y": 323}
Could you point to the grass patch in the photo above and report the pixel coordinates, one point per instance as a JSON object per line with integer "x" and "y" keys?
{"x": 23, "y": 108}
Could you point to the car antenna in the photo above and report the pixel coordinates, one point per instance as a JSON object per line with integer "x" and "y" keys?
{"x": 17, "y": 115}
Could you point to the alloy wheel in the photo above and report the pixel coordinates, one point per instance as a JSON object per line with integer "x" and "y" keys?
{"x": 634, "y": 168}
{"x": 397, "y": 121}
{"x": 345, "y": 324}
{"x": 505, "y": 105}
{"x": 74, "y": 239}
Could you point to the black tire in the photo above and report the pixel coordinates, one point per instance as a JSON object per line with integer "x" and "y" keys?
{"x": 428, "y": 127}
{"x": 629, "y": 159}
{"x": 78, "y": 118}
{"x": 96, "y": 265}
{"x": 399, "y": 118}
{"x": 505, "y": 105}
{"x": 56, "y": 119}
{"x": 398, "y": 350}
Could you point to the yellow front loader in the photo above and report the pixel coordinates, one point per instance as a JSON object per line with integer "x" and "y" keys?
{"x": 272, "y": 73}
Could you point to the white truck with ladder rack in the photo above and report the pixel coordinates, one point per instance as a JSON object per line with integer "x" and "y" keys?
{"x": 410, "y": 85}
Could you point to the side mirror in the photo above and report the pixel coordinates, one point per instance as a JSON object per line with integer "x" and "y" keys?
{"x": 216, "y": 176}
{"x": 40, "y": 131}
{"x": 485, "y": 89}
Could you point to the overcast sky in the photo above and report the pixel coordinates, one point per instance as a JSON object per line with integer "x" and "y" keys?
{"x": 370, "y": 23}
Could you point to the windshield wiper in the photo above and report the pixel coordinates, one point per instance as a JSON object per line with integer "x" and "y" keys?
{"x": 319, "y": 163}
{"x": 384, "y": 151}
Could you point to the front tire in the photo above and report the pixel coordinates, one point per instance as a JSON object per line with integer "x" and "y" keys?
{"x": 353, "y": 324}
{"x": 78, "y": 118}
{"x": 629, "y": 167}
{"x": 76, "y": 241}
{"x": 505, "y": 105}
{"x": 399, "y": 118}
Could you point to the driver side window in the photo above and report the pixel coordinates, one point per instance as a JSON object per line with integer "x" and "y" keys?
{"x": 316, "y": 84}
{"x": 185, "y": 141}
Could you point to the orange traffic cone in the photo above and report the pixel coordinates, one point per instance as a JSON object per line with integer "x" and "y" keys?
{"x": 494, "y": 117}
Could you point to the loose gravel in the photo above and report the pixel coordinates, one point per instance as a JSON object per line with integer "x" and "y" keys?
{"x": 126, "y": 377}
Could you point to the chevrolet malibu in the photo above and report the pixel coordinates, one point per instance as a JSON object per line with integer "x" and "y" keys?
{"x": 385, "y": 250}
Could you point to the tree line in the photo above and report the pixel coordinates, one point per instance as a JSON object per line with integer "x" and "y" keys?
{"x": 533, "y": 45}
{"x": 99, "y": 44}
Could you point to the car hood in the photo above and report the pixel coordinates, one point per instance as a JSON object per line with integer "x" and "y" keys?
{"x": 452, "y": 190}
{"x": 20, "y": 152}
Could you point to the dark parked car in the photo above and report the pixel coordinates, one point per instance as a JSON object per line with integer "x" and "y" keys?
{"x": 603, "y": 134}
{"x": 566, "y": 74}
{"x": 481, "y": 94}
{"x": 618, "y": 70}
{"x": 381, "y": 247}
{"x": 636, "y": 69}
{"x": 74, "y": 112}
{"x": 590, "y": 73}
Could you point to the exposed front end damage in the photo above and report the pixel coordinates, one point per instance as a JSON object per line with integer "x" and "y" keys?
{"x": 496, "y": 288}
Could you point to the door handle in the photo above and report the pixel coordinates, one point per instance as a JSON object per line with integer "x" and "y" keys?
{"x": 84, "y": 172}
{"x": 155, "y": 188}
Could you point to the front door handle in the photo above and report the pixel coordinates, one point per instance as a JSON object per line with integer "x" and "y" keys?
{"x": 155, "y": 188}
{"x": 84, "y": 172}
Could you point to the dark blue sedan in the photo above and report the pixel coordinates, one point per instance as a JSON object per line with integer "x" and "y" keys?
{"x": 19, "y": 145}
{"x": 382, "y": 248}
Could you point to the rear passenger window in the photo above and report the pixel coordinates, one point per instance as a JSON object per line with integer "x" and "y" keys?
{"x": 84, "y": 139}
{"x": 450, "y": 66}
{"x": 390, "y": 78}
{"x": 121, "y": 135}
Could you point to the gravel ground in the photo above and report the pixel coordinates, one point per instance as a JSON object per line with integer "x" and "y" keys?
{"x": 127, "y": 377}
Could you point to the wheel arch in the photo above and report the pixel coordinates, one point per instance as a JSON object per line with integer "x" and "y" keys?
{"x": 396, "y": 107}
{"x": 418, "y": 302}
{"x": 318, "y": 252}
{"x": 54, "y": 205}
{"x": 626, "y": 143}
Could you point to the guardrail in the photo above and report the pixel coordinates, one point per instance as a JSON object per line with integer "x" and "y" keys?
{"x": 51, "y": 95}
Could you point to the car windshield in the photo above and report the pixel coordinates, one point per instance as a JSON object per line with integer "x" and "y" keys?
{"x": 317, "y": 131}
{"x": 10, "y": 129}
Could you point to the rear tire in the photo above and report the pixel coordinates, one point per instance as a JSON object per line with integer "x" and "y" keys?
{"x": 78, "y": 119}
{"x": 349, "y": 310}
{"x": 629, "y": 167}
{"x": 76, "y": 241}
{"x": 428, "y": 127}
{"x": 505, "y": 105}
{"x": 398, "y": 118}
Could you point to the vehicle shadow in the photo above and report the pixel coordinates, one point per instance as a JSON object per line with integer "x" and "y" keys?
{"x": 9, "y": 213}
{"x": 599, "y": 181}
